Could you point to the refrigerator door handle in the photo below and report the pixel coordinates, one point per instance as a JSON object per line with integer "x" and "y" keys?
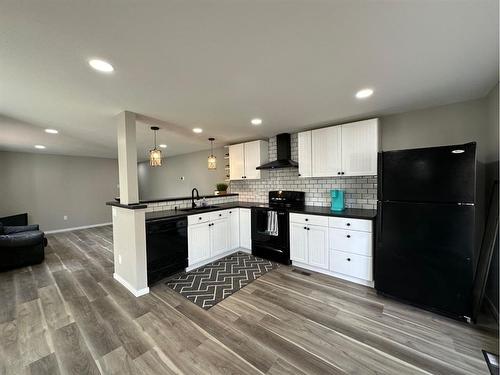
{"x": 380, "y": 171}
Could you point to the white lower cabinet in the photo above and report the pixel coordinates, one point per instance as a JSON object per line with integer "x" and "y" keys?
{"x": 245, "y": 228}
{"x": 340, "y": 247}
{"x": 219, "y": 240}
{"x": 318, "y": 246}
{"x": 309, "y": 244}
{"x": 234, "y": 228}
{"x": 299, "y": 249}
{"x": 353, "y": 265}
{"x": 198, "y": 243}
{"x": 207, "y": 240}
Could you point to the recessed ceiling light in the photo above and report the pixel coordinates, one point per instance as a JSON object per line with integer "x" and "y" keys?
{"x": 163, "y": 146}
{"x": 101, "y": 65}
{"x": 365, "y": 93}
{"x": 40, "y": 147}
{"x": 51, "y": 131}
{"x": 198, "y": 130}
{"x": 256, "y": 121}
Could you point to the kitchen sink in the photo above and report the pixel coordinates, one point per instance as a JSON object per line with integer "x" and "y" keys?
{"x": 197, "y": 208}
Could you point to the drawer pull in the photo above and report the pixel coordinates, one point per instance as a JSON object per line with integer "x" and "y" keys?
{"x": 307, "y": 219}
{"x": 230, "y": 212}
{"x": 348, "y": 224}
{"x": 199, "y": 218}
{"x": 348, "y": 259}
{"x": 305, "y": 228}
{"x": 308, "y": 228}
{"x": 220, "y": 214}
{"x": 348, "y": 236}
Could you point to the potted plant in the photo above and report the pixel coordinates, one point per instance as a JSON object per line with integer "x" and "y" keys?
{"x": 221, "y": 189}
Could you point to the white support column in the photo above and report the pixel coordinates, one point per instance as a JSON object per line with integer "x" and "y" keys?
{"x": 127, "y": 158}
{"x": 129, "y": 226}
{"x": 129, "y": 243}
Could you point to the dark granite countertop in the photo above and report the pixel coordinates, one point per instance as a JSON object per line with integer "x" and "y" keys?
{"x": 117, "y": 200}
{"x": 355, "y": 213}
{"x": 167, "y": 214}
{"x": 135, "y": 206}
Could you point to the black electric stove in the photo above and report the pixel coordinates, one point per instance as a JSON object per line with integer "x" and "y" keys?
{"x": 271, "y": 228}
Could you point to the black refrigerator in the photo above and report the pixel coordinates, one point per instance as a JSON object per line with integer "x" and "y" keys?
{"x": 425, "y": 227}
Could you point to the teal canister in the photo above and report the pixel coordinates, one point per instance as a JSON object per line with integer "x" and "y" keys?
{"x": 337, "y": 200}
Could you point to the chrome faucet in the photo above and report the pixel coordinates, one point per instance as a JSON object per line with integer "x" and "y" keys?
{"x": 193, "y": 205}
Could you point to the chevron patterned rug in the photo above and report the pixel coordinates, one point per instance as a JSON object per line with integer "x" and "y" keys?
{"x": 208, "y": 285}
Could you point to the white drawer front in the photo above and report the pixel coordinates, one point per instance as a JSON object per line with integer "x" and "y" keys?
{"x": 351, "y": 241}
{"x": 218, "y": 214}
{"x": 309, "y": 219}
{"x": 352, "y": 265}
{"x": 198, "y": 218}
{"x": 351, "y": 224}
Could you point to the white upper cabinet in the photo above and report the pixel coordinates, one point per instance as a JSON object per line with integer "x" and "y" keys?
{"x": 360, "y": 144}
{"x": 343, "y": 150}
{"x": 326, "y": 152}
{"x": 244, "y": 158}
{"x": 256, "y": 154}
{"x": 236, "y": 161}
{"x": 305, "y": 154}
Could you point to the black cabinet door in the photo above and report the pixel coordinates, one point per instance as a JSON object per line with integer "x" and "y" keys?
{"x": 424, "y": 254}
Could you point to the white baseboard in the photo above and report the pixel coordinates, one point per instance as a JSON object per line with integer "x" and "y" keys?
{"x": 129, "y": 287}
{"x": 368, "y": 283}
{"x": 76, "y": 228}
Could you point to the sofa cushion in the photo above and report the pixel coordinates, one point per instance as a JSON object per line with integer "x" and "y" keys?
{"x": 22, "y": 239}
{"x": 20, "y": 228}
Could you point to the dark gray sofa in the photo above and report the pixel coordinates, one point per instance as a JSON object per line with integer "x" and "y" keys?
{"x": 20, "y": 245}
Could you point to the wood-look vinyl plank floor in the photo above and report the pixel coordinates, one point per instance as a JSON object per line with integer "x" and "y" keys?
{"x": 69, "y": 316}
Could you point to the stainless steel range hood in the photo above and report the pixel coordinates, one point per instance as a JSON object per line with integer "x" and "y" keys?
{"x": 284, "y": 154}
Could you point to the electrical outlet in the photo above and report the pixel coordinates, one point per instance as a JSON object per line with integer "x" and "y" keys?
{"x": 65, "y": 217}
{"x": 119, "y": 259}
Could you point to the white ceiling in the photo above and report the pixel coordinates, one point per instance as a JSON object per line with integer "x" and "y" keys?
{"x": 217, "y": 64}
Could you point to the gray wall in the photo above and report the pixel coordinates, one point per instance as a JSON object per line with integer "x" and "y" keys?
{"x": 51, "y": 186}
{"x": 450, "y": 124}
{"x": 492, "y": 175}
{"x": 165, "y": 181}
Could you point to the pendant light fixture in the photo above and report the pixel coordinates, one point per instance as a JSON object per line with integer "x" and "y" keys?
{"x": 212, "y": 160}
{"x": 155, "y": 153}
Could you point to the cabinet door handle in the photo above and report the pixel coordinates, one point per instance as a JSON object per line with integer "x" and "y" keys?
{"x": 305, "y": 228}
{"x": 230, "y": 212}
{"x": 348, "y": 236}
{"x": 308, "y": 228}
{"x": 307, "y": 219}
{"x": 341, "y": 172}
{"x": 299, "y": 174}
{"x": 338, "y": 172}
{"x": 199, "y": 218}
{"x": 348, "y": 259}
{"x": 348, "y": 224}
{"x": 220, "y": 214}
